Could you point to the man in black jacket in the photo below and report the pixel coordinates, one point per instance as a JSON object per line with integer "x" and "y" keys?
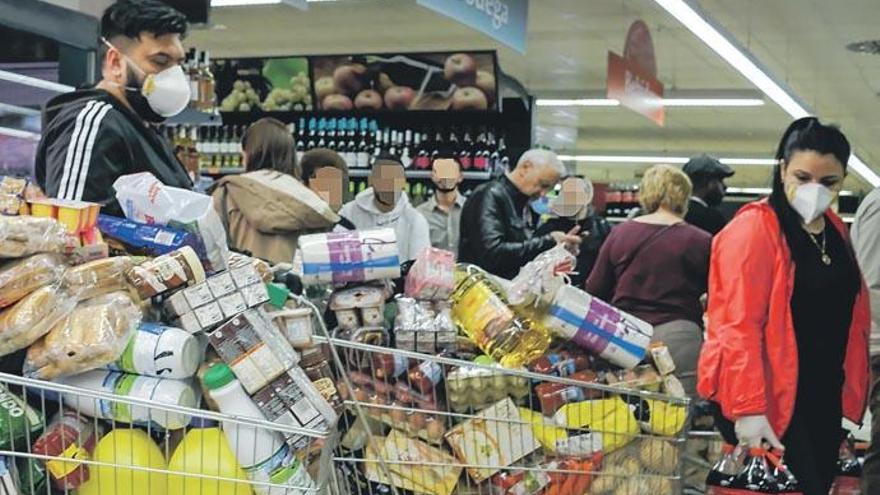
{"x": 707, "y": 175}
{"x": 93, "y": 136}
{"x": 496, "y": 224}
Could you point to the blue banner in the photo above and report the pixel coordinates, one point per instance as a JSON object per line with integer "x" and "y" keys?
{"x": 504, "y": 20}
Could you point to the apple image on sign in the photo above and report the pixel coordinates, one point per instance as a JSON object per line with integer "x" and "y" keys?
{"x": 486, "y": 84}
{"x": 336, "y": 102}
{"x": 469, "y": 99}
{"x": 399, "y": 97}
{"x": 349, "y": 78}
{"x": 460, "y": 69}
{"x": 324, "y": 86}
{"x": 368, "y": 99}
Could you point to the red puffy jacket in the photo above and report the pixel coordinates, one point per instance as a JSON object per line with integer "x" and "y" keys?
{"x": 749, "y": 363}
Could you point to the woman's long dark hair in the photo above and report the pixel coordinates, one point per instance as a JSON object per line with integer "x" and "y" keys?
{"x": 269, "y": 145}
{"x": 804, "y": 134}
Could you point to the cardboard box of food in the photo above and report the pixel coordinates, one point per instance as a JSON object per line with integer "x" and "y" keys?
{"x": 412, "y": 465}
{"x": 498, "y": 436}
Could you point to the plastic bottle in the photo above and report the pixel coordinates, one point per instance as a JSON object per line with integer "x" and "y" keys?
{"x": 160, "y": 351}
{"x": 479, "y": 307}
{"x": 849, "y": 472}
{"x": 724, "y": 471}
{"x": 756, "y": 474}
{"x": 156, "y": 390}
{"x": 260, "y": 451}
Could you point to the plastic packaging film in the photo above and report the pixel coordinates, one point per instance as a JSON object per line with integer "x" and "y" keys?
{"x": 21, "y": 277}
{"x": 93, "y": 335}
{"x": 25, "y": 235}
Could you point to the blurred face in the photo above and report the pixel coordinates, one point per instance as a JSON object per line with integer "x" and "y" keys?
{"x": 715, "y": 191}
{"x": 809, "y": 167}
{"x": 534, "y": 181}
{"x": 446, "y": 174}
{"x": 388, "y": 182}
{"x": 572, "y": 201}
{"x": 327, "y": 184}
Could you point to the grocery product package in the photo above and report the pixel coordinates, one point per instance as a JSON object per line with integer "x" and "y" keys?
{"x": 32, "y": 317}
{"x": 402, "y": 456}
{"x": 164, "y": 273}
{"x": 612, "y": 418}
{"x": 598, "y": 327}
{"x": 355, "y": 256}
{"x": 12, "y": 195}
{"x": 144, "y": 199}
{"x": 497, "y": 437}
{"x": 146, "y": 239}
{"x": 68, "y": 436}
{"x": 18, "y": 421}
{"x": 160, "y": 351}
{"x": 98, "y": 277}
{"x": 25, "y": 235}
{"x": 19, "y": 278}
{"x": 430, "y": 277}
{"x": 93, "y": 335}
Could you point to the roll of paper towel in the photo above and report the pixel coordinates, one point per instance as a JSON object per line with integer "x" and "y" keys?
{"x": 355, "y": 256}
{"x": 598, "y": 327}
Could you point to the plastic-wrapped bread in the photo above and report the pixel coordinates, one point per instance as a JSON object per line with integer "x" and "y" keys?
{"x": 24, "y": 235}
{"x": 93, "y": 335}
{"x": 32, "y": 317}
{"x": 98, "y": 277}
{"x": 21, "y": 277}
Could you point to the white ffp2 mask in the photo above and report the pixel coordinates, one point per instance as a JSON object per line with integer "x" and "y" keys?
{"x": 811, "y": 200}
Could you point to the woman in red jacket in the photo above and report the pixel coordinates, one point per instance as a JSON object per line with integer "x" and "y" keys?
{"x": 786, "y": 355}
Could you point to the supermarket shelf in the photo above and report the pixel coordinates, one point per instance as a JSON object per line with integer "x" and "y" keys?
{"x": 223, "y": 171}
{"x": 422, "y": 174}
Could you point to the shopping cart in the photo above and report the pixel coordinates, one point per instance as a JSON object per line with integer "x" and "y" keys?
{"x": 118, "y": 458}
{"x": 484, "y": 429}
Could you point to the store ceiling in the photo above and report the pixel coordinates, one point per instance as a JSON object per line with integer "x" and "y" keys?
{"x": 801, "y": 41}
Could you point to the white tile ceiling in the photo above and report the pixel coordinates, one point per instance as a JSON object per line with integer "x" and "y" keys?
{"x": 801, "y": 41}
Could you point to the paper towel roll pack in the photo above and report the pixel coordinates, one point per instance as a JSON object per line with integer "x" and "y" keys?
{"x": 355, "y": 256}
{"x": 598, "y": 327}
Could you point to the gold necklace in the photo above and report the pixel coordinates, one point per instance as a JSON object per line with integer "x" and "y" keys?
{"x": 825, "y": 258}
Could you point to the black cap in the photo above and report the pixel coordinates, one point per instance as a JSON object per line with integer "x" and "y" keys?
{"x": 707, "y": 166}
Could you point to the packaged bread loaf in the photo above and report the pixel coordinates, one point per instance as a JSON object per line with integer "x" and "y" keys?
{"x": 21, "y": 277}
{"x": 30, "y": 318}
{"x": 97, "y": 277}
{"x": 93, "y": 335}
{"x": 25, "y": 235}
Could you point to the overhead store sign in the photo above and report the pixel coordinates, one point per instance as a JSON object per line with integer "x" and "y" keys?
{"x": 504, "y": 20}
{"x": 632, "y": 78}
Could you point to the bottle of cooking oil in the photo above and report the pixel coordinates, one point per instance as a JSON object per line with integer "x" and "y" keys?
{"x": 480, "y": 308}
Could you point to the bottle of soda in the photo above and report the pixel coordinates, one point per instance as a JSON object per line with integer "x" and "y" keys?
{"x": 724, "y": 471}
{"x": 756, "y": 475}
{"x": 786, "y": 482}
{"x": 849, "y": 471}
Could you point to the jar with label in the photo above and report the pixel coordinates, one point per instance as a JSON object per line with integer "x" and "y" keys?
{"x": 166, "y": 272}
{"x": 562, "y": 364}
{"x": 426, "y": 376}
{"x": 554, "y": 395}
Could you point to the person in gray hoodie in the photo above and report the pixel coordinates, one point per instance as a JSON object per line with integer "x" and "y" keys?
{"x": 385, "y": 205}
{"x": 866, "y": 242}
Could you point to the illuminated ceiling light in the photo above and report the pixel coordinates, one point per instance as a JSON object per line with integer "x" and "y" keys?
{"x": 661, "y": 159}
{"x": 720, "y": 44}
{"x": 668, "y": 102}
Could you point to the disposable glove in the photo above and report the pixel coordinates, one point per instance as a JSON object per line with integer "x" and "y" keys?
{"x": 753, "y": 430}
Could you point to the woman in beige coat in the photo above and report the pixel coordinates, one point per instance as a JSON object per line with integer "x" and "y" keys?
{"x": 266, "y": 209}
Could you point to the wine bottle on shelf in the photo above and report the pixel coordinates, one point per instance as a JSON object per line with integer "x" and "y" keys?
{"x": 392, "y": 148}
{"x": 192, "y": 74}
{"x": 421, "y": 160}
{"x": 453, "y": 142}
{"x": 465, "y": 154}
{"x": 378, "y": 143}
{"x": 363, "y": 146}
{"x": 312, "y": 142}
{"x": 237, "y": 133}
{"x": 322, "y": 133}
{"x": 436, "y": 147}
{"x": 502, "y": 166}
{"x": 481, "y": 153}
{"x": 207, "y": 95}
{"x": 351, "y": 145}
{"x": 204, "y": 159}
{"x": 331, "y": 134}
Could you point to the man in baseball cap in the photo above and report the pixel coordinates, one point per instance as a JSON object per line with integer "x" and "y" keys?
{"x": 707, "y": 175}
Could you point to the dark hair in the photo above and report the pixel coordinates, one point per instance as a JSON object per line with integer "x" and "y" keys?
{"x": 319, "y": 158}
{"x": 385, "y": 159}
{"x": 130, "y": 18}
{"x": 268, "y": 145}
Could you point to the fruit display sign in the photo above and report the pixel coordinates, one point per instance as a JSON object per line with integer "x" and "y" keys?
{"x": 400, "y": 82}
{"x": 268, "y": 84}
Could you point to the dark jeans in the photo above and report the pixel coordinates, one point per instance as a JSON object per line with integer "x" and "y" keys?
{"x": 871, "y": 469}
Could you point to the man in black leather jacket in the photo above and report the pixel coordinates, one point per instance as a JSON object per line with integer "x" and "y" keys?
{"x": 496, "y": 224}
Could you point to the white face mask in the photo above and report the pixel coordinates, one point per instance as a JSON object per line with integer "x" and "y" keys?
{"x": 167, "y": 93}
{"x": 811, "y": 200}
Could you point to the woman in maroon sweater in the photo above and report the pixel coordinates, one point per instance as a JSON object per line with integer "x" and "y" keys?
{"x": 656, "y": 267}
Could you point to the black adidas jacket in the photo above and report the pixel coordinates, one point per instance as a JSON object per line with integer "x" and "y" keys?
{"x": 90, "y": 139}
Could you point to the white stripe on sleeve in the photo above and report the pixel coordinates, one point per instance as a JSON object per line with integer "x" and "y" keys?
{"x": 87, "y": 155}
{"x": 79, "y": 152}
{"x": 71, "y": 148}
